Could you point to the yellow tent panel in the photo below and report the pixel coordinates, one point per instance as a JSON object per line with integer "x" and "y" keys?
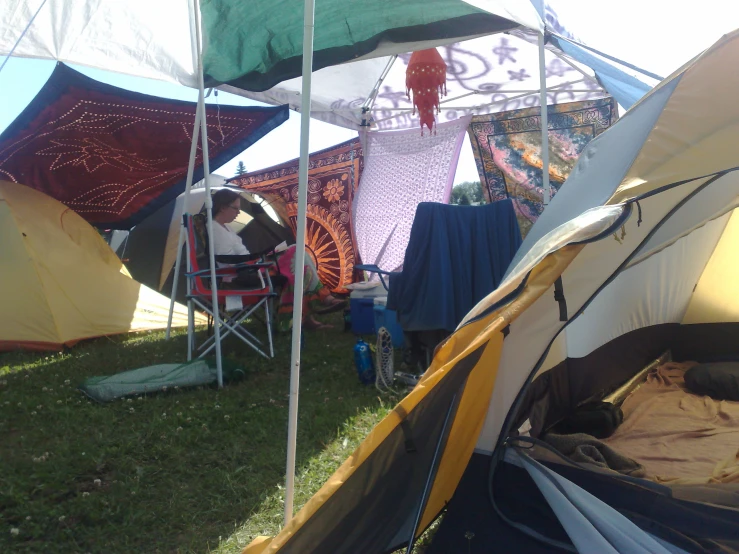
{"x": 61, "y": 282}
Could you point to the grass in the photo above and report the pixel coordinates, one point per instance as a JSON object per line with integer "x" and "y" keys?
{"x": 183, "y": 471}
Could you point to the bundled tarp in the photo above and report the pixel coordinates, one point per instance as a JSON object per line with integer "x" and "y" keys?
{"x": 115, "y": 156}
{"x": 158, "y": 378}
{"x": 61, "y": 282}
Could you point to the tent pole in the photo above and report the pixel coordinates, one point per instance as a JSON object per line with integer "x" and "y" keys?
{"x": 208, "y": 198}
{"x": 181, "y": 240}
{"x": 430, "y": 476}
{"x": 544, "y": 121}
{"x": 292, "y": 426}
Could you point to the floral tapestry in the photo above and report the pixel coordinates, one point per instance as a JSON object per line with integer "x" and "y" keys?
{"x": 333, "y": 176}
{"x": 507, "y": 150}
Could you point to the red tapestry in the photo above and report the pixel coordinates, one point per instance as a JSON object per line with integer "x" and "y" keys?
{"x": 333, "y": 175}
{"x": 115, "y": 156}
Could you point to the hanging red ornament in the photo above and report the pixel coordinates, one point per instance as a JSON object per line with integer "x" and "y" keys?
{"x": 426, "y": 77}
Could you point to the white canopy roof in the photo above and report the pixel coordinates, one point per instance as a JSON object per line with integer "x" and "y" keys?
{"x": 155, "y": 40}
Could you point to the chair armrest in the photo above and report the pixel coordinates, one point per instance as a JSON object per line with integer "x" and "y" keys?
{"x": 371, "y": 268}
{"x": 236, "y": 258}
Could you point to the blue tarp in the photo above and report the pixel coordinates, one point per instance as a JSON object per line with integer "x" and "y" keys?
{"x": 455, "y": 257}
{"x": 625, "y": 88}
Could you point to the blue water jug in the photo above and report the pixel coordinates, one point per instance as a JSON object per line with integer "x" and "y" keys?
{"x": 364, "y": 363}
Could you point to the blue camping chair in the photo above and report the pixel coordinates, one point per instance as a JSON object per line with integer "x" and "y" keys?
{"x": 456, "y": 256}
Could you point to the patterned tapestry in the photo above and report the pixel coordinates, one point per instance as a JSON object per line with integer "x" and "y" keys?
{"x": 402, "y": 169}
{"x": 115, "y": 156}
{"x": 507, "y": 150}
{"x": 333, "y": 176}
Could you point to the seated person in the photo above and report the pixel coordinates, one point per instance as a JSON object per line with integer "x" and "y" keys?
{"x": 315, "y": 295}
{"x": 226, "y": 207}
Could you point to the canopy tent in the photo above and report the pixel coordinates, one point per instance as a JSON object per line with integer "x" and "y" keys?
{"x": 122, "y": 41}
{"x": 151, "y": 248}
{"x": 641, "y": 237}
{"x": 89, "y": 145}
{"x": 61, "y": 283}
{"x": 354, "y": 68}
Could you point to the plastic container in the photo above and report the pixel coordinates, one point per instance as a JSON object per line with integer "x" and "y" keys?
{"x": 389, "y": 320}
{"x": 364, "y": 363}
{"x": 362, "y": 318}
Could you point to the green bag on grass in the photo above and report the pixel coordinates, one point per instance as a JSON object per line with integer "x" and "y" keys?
{"x": 158, "y": 378}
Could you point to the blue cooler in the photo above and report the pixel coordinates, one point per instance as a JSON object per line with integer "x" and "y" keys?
{"x": 389, "y": 320}
{"x": 361, "y": 303}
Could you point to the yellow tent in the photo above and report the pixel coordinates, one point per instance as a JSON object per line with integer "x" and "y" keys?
{"x": 61, "y": 282}
{"x": 635, "y": 258}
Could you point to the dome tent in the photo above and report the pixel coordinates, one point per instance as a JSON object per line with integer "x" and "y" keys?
{"x": 61, "y": 282}
{"x": 583, "y": 304}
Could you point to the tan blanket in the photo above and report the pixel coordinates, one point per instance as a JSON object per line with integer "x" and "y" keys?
{"x": 677, "y": 436}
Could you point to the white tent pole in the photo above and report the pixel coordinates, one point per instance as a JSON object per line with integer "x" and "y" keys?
{"x": 208, "y": 198}
{"x": 181, "y": 240}
{"x": 292, "y": 423}
{"x": 544, "y": 120}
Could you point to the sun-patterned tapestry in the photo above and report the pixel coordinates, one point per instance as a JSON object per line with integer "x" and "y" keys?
{"x": 333, "y": 176}
{"x": 507, "y": 150}
{"x": 115, "y": 156}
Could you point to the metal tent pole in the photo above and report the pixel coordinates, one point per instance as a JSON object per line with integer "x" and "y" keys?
{"x": 544, "y": 121}
{"x": 208, "y": 198}
{"x": 305, "y": 104}
{"x": 181, "y": 240}
{"x": 431, "y": 475}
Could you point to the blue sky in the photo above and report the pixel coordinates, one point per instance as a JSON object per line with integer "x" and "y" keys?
{"x": 654, "y": 34}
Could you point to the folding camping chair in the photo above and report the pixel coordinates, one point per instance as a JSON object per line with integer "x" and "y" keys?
{"x": 200, "y": 295}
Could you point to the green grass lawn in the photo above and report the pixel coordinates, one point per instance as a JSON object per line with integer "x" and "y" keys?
{"x": 182, "y": 471}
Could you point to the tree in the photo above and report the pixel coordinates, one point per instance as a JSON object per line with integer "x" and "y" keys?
{"x": 469, "y": 192}
{"x": 240, "y": 168}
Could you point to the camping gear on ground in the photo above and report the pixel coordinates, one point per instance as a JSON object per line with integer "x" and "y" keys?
{"x": 582, "y": 448}
{"x": 361, "y": 305}
{"x": 61, "y": 283}
{"x": 719, "y": 380}
{"x": 151, "y": 248}
{"x": 401, "y": 170}
{"x": 334, "y": 176}
{"x": 235, "y": 305}
{"x": 116, "y": 156}
{"x": 597, "y": 419}
{"x": 384, "y": 363}
{"x": 387, "y": 319}
{"x": 159, "y": 378}
{"x": 635, "y": 255}
{"x": 363, "y": 362}
{"x": 507, "y": 150}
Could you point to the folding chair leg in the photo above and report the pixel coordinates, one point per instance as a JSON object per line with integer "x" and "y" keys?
{"x": 190, "y": 329}
{"x": 267, "y": 310}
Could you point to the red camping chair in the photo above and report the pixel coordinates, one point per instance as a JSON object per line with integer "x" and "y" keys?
{"x": 201, "y": 295}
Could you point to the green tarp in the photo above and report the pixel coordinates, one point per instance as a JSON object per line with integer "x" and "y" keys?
{"x": 256, "y": 44}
